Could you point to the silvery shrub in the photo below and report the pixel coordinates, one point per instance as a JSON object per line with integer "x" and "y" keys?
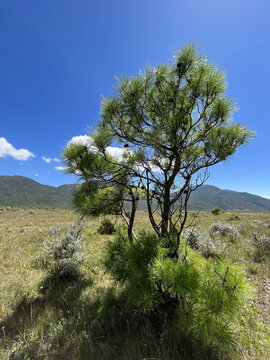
{"x": 63, "y": 251}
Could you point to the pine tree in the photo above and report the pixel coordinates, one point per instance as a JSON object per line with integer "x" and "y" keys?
{"x": 174, "y": 122}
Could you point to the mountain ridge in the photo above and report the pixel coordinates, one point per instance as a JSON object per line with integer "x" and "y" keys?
{"x": 22, "y": 191}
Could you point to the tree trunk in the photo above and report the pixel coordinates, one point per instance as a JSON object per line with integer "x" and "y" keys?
{"x": 131, "y": 219}
{"x": 166, "y": 212}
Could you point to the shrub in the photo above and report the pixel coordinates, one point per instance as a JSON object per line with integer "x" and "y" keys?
{"x": 193, "y": 237}
{"x": 208, "y": 245}
{"x": 106, "y": 227}
{"x": 225, "y": 229}
{"x": 216, "y": 211}
{"x": 212, "y": 246}
{"x": 129, "y": 265}
{"x": 63, "y": 251}
{"x": 234, "y": 218}
{"x": 261, "y": 244}
{"x": 202, "y": 297}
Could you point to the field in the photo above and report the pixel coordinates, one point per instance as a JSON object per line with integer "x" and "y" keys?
{"x": 43, "y": 319}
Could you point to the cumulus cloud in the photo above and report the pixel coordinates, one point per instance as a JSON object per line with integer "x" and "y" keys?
{"x": 87, "y": 141}
{"x": 116, "y": 152}
{"x": 48, "y": 160}
{"x": 112, "y": 150}
{"x": 60, "y": 168}
{"x": 81, "y": 139}
{"x": 6, "y": 149}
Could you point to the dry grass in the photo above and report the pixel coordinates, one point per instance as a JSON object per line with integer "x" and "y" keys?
{"x": 43, "y": 320}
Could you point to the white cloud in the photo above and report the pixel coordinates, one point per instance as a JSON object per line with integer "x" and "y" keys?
{"x": 48, "y": 160}
{"x": 60, "y": 168}
{"x": 6, "y": 149}
{"x": 266, "y": 197}
{"x": 87, "y": 141}
{"x": 112, "y": 150}
{"x": 116, "y": 152}
{"x": 36, "y": 174}
{"x": 81, "y": 139}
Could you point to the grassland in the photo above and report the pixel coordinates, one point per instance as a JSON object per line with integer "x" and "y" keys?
{"x": 44, "y": 319}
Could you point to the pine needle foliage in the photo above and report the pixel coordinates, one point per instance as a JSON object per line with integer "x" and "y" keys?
{"x": 106, "y": 227}
{"x": 172, "y": 123}
{"x": 201, "y": 296}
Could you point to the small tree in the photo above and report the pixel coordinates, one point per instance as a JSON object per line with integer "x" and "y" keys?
{"x": 173, "y": 122}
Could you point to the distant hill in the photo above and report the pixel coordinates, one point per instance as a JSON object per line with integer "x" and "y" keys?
{"x": 208, "y": 197}
{"x": 22, "y": 191}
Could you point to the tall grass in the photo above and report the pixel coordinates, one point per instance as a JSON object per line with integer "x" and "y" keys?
{"x": 41, "y": 318}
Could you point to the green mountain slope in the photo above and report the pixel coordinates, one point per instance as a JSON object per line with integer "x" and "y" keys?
{"x": 19, "y": 190}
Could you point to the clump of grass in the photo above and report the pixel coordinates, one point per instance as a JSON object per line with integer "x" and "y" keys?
{"x": 106, "y": 227}
{"x": 234, "y": 218}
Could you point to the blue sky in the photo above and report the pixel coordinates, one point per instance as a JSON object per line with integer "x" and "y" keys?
{"x": 59, "y": 57}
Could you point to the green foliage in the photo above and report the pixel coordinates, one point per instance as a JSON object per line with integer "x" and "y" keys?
{"x": 94, "y": 199}
{"x": 183, "y": 101}
{"x": 130, "y": 266}
{"x": 202, "y": 296}
{"x": 106, "y": 227}
{"x": 216, "y": 211}
{"x": 177, "y": 112}
{"x": 174, "y": 122}
{"x": 63, "y": 252}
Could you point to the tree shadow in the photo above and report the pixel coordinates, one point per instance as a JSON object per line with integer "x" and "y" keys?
{"x": 59, "y": 303}
{"x": 61, "y": 324}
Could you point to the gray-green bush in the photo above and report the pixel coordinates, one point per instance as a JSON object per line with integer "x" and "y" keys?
{"x": 63, "y": 256}
{"x": 226, "y": 230}
{"x": 208, "y": 243}
{"x": 261, "y": 244}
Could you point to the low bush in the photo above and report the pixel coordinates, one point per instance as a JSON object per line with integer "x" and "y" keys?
{"x": 193, "y": 237}
{"x": 202, "y": 297}
{"x": 209, "y": 245}
{"x": 234, "y": 218}
{"x": 212, "y": 246}
{"x": 261, "y": 244}
{"x": 106, "y": 227}
{"x": 226, "y": 230}
{"x": 216, "y": 211}
{"x": 63, "y": 251}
